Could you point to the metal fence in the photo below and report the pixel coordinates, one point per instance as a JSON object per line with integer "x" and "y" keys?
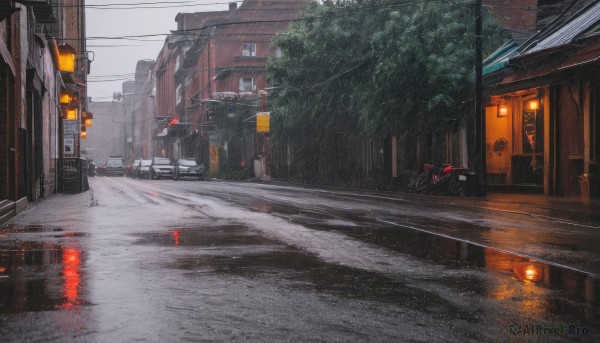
{"x": 72, "y": 175}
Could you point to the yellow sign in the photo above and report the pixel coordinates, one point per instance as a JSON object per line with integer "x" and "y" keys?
{"x": 262, "y": 122}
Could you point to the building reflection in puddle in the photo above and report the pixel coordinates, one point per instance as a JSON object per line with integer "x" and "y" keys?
{"x": 39, "y": 276}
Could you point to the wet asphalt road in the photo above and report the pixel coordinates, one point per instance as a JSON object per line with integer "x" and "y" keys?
{"x": 166, "y": 261}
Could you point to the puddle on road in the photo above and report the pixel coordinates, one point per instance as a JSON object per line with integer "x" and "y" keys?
{"x": 209, "y": 236}
{"x": 534, "y": 286}
{"x": 38, "y": 276}
{"x": 59, "y": 232}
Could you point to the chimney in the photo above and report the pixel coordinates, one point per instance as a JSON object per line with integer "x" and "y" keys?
{"x": 233, "y": 6}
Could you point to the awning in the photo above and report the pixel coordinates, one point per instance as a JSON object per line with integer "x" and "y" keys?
{"x": 586, "y": 55}
{"x": 499, "y": 59}
{"x": 550, "y": 67}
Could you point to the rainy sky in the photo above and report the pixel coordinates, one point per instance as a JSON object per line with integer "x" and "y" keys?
{"x": 115, "y": 59}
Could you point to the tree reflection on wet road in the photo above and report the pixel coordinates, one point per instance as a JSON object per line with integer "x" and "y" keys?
{"x": 218, "y": 261}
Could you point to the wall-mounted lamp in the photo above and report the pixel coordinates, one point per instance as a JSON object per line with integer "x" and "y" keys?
{"x": 83, "y": 133}
{"x": 502, "y": 110}
{"x": 533, "y": 105}
{"x": 70, "y": 113}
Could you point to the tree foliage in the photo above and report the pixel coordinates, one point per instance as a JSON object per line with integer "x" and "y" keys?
{"x": 374, "y": 67}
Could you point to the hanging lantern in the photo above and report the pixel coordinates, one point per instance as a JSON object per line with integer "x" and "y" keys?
{"x": 65, "y": 97}
{"x": 70, "y": 113}
{"x": 86, "y": 118}
{"x": 66, "y": 58}
{"x": 83, "y": 132}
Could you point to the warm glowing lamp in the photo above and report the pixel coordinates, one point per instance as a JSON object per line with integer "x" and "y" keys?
{"x": 70, "y": 113}
{"x": 534, "y": 104}
{"x": 502, "y": 111}
{"x": 66, "y": 58}
{"x": 83, "y": 132}
{"x": 86, "y": 118}
{"x": 65, "y": 98}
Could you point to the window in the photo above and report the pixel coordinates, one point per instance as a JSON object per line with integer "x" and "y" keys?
{"x": 249, "y": 49}
{"x": 278, "y": 53}
{"x": 177, "y": 63}
{"x": 247, "y": 84}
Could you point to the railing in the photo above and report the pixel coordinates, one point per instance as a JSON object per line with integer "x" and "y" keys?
{"x": 72, "y": 175}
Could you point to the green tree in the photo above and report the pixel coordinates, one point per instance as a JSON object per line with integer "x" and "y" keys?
{"x": 373, "y": 67}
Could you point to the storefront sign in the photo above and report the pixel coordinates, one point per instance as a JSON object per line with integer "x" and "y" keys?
{"x": 70, "y": 127}
{"x": 69, "y": 145}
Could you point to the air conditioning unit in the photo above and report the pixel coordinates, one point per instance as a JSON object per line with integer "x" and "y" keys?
{"x": 253, "y": 87}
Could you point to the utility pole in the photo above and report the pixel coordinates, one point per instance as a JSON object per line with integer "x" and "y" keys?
{"x": 265, "y": 141}
{"x": 479, "y": 113}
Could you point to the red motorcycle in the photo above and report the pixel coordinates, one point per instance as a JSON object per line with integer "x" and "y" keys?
{"x": 444, "y": 178}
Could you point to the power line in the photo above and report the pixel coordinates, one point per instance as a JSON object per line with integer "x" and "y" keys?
{"x": 338, "y": 13}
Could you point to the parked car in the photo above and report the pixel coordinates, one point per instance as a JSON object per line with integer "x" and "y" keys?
{"x": 188, "y": 167}
{"x": 132, "y": 168}
{"x": 143, "y": 170}
{"x": 160, "y": 167}
{"x": 114, "y": 166}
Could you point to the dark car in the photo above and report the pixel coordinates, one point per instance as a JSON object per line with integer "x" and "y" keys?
{"x": 160, "y": 167}
{"x": 114, "y": 166}
{"x": 188, "y": 167}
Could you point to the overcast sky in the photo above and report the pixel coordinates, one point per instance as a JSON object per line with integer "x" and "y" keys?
{"x": 115, "y": 58}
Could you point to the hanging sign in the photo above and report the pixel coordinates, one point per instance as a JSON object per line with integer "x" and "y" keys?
{"x": 263, "y": 122}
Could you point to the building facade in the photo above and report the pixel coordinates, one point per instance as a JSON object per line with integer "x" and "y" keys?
{"x": 542, "y": 116}
{"x": 38, "y": 66}
{"x": 213, "y": 59}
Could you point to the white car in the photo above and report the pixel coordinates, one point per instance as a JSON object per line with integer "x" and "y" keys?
{"x": 188, "y": 167}
{"x": 160, "y": 167}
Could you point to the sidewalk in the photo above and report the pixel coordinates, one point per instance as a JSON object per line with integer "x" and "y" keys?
{"x": 561, "y": 208}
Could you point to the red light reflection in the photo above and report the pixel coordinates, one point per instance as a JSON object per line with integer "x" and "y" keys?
{"x": 71, "y": 262}
{"x": 175, "y": 234}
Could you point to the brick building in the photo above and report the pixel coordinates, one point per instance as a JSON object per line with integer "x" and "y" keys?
{"x": 39, "y": 45}
{"x": 212, "y": 57}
